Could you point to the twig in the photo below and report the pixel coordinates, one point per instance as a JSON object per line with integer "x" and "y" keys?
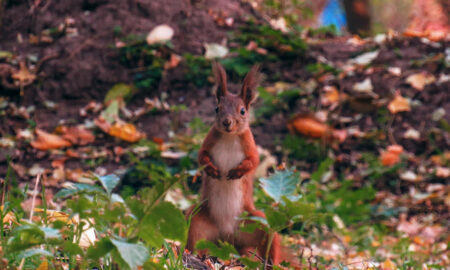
{"x": 33, "y": 202}
{"x": 389, "y": 130}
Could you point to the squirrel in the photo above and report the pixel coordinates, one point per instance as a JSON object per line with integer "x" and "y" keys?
{"x": 230, "y": 158}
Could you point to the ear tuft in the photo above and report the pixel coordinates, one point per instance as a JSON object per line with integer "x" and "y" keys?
{"x": 251, "y": 81}
{"x": 221, "y": 80}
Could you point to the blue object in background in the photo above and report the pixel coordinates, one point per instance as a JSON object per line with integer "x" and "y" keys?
{"x": 334, "y": 13}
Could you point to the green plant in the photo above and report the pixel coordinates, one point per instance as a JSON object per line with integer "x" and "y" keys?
{"x": 128, "y": 229}
{"x": 146, "y": 61}
{"x": 197, "y": 69}
{"x": 301, "y": 149}
{"x": 280, "y": 102}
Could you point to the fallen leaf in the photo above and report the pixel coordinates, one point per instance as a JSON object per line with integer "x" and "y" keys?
{"x": 438, "y": 114}
{"x": 279, "y": 24}
{"x": 76, "y": 135}
{"x": 411, "y": 227}
{"x": 365, "y": 58}
{"x": 420, "y": 80}
{"x": 399, "y": 104}
{"x": 173, "y": 62}
{"x": 396, "y": 71}
{"x": 173, "y": 155}
{"x": 443, "y": 172}
{"x": 160, "y": 34}
{"x": 46, "y": 141}
{"x": 410, "y": 176}
{"x": 432, "y": 233}
{"x": 311, "y": 127}
{"x": 267, "y": 161}
{"x": 364, "y": 86}
{"x": 412, "y": 134}
{"x": 331, "y": 96}
{"x": 214, "y": 50}
{"x": 392, "y": 155}
{"x": 126, "y": 132}
{"x": 24, "y": 76}
{"x": 59, "y": 162}
{"x": 9, "y": 218}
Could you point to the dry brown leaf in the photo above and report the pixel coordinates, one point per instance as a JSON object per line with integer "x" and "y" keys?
{"x": 24, "y": 76}
{"x": 420, "y": 80}
{"x": 173, "y": 62}
{"x": 392, "y": 155}
{"x": 443, "y": 172}
{"x": 126, "y": 132}
{"x": 76, "y": 135}
{"x": 311, "y": 127}
{"x": 399, "y": 104}
{"x": 9, "y": 217}
{"x": 46, "y": 141}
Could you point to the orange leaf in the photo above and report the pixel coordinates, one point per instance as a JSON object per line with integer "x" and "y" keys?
{"x": 392, "y": 155}
{"x": 399, "y": 104}
{"x": 45, "y": 141}
{"x": 420, "y": 80}
{"x": 24, "y": 76}
{"x": 388, "y": 265}
{"x": 330, "y": 96}
{"x": 173, "y": 62}
{"x": 76, "y": 135}
{"x": 311, "y": 127}
{"x": 126, "y": 132}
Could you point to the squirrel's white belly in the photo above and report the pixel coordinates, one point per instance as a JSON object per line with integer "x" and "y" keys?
{"x": 225, "y": 201}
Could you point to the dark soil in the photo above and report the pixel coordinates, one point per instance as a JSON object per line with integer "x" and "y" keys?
{"x": 83, "y": 67}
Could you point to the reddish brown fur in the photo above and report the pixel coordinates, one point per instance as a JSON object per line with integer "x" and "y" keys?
{"x": 203, "y": 225}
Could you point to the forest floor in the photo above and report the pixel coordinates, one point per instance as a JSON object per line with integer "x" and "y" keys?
{"x": 378, "y": 108}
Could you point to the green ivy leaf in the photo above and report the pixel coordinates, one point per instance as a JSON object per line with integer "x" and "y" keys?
{"x": 33, "y": 252}
{"x": 77, "y": 188}
{"x": 281, "y": 183}
{"x": 276, "y": 219}
{"x": 323, "y": 168}
{"x": 100, "y": 249}
{"x": 164, "y": 221}
{"x": 109, "y": 182}
{"x": 133, "y": 254}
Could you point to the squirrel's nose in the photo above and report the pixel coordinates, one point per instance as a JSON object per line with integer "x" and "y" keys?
{"x": 226, "y": 122}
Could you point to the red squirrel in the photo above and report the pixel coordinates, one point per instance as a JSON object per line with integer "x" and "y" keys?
{"x": 230, "y": 158}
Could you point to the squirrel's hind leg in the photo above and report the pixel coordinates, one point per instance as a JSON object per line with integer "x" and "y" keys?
{"x": 202, "y": 228}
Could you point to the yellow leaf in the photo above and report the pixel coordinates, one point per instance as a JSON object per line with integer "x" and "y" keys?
{"x": 126, "y": 132}
{"x": 420, "y": 80}
{"x": 399, "y": 104}
{"x": 24, "y": 76}
{"x": 375, "y": 243}
{"x": 388, "y": 265}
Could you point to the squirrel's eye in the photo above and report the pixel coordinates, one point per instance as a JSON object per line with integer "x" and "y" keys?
{"x": 242, "y": 111}
{"x": 217, "y": 109}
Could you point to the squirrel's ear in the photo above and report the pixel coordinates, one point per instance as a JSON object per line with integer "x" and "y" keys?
{"x": 221, "y": 80}
{"x": 251, "y": 81}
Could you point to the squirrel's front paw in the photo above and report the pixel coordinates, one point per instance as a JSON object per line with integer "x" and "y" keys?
{"x": 212, "y": 171}
{"x": 235, "y": 174}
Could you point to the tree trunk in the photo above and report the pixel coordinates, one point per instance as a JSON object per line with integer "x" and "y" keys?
{"x": 358, "y": 16}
